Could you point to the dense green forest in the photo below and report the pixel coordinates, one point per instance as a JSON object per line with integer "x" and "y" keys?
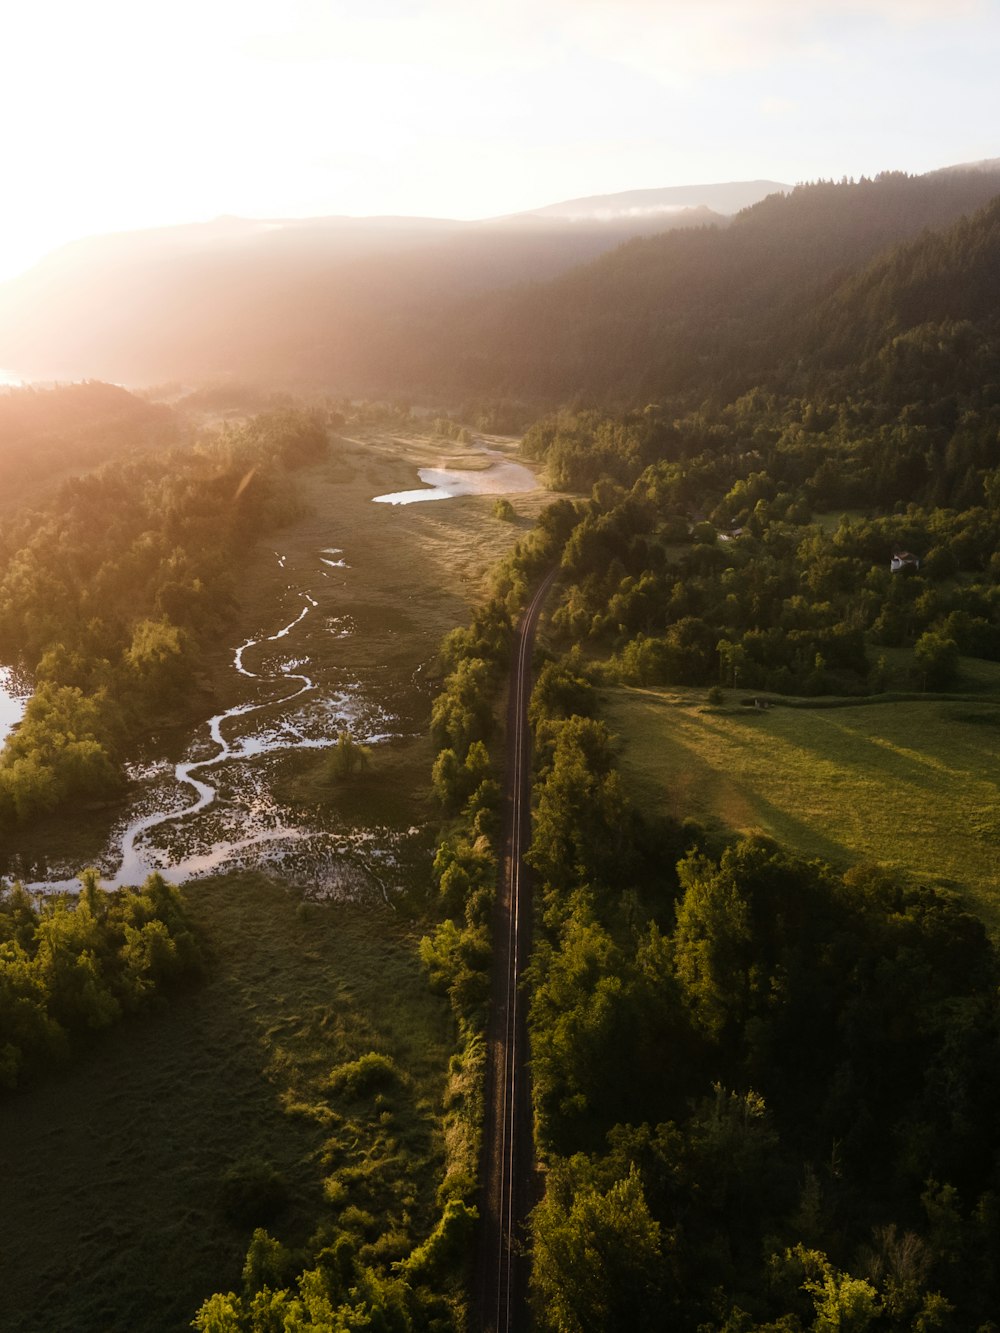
{"x": 708, "y": 568}
{"x": 763, "y": 1085}
{"x": 763, "y": 1089}
{"x": 113, "y": 584}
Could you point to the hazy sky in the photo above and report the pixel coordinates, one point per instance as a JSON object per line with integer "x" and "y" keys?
{"x": 129, "y": 113}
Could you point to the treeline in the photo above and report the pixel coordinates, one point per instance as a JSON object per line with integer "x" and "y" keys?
{"x": 697, "y": 560}
{"x": 113, "y": 587}
{"x": 778, "y": 298}
{"x": 458, "y": 952}
{"x": 70, "y": 967}
{"x": 762, "y": 1089}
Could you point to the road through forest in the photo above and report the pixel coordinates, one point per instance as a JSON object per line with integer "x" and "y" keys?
{"x": 508, "y": 1149}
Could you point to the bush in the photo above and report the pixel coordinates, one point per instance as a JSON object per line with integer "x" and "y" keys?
{"x": 370, "y": 1073}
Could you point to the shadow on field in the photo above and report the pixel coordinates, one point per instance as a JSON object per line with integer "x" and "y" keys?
{"x": 133, "y": 1179}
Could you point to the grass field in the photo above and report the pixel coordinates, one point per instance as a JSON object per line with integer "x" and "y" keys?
{"x": 112, "y": 1171}
{"x": 914, "y": 785}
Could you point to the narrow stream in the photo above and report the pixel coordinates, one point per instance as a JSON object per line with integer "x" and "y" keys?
{"x": 134, "y": 864}
{"x": 250, "y": 822}
{"x": 183, "y": 825}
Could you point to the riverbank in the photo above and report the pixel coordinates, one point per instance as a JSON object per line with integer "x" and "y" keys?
{"x": 121, "y": 1167}
{"x": 338, "y": 621}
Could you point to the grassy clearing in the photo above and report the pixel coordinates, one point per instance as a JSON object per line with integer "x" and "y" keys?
{"x": 115, "y": 1214}
{"x": 113, "y": 1171}
{"x": 914, "y": 785}
{"x": 830, "y": 521}
{"x": 412, "y": 574}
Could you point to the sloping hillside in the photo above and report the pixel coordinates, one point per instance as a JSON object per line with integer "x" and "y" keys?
{"x": 702, "y": 311}
{"x": 320, "y": 299}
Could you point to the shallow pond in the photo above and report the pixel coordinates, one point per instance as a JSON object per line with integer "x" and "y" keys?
{"x": 501, "y": 477}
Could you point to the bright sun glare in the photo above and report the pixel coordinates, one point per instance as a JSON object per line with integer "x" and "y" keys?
{"x": 120, "y": 116}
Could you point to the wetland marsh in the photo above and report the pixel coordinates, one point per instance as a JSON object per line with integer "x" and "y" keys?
{"x": 338, "y": 621}
{"x": 339, "y": 618}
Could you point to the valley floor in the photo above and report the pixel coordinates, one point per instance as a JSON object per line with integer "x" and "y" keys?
{"x": 910, "y": 784}
{"x": 118, "y": 1172}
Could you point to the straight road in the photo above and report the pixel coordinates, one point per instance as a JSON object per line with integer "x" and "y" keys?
{"x": 508, "y": 1148}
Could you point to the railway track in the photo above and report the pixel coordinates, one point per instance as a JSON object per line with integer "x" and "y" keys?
{"x": 501, "y": 1266}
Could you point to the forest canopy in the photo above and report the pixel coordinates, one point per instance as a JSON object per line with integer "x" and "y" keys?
{"x": 113, "y": 586}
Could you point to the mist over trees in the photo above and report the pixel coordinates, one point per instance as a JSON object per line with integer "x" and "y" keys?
{"x": 763, "y": 1084}
{"x": 537, "y": 308}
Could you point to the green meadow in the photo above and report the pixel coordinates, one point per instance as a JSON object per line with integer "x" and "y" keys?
{"x": 133, "y": 1178}
{"x": 912, "y": 784}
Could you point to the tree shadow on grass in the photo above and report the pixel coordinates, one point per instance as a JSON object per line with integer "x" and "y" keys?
{"x": 799, "y": 836}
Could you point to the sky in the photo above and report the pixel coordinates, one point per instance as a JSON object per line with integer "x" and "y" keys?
{"x": 116, "y": 115}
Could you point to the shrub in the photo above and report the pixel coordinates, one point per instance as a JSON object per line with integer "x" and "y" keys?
{"x": 369, "y": 1073}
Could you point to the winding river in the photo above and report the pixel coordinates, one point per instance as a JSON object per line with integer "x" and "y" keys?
{"x": 289, "y": 711}
{"x": 137, "y": 856}
{"x": 239, "y": 823}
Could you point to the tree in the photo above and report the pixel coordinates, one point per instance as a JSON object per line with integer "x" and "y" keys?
{"x": 732, "y": 661}
{"x": 937, "y": 657}
{"x": 598, "y": 1258}
{"x": 712, "y": 945}
{"x": 347, "y": 758}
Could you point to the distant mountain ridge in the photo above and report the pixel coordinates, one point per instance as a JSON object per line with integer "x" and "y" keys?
{"x": 234, "y": 295}
{"x": 725, "y": 199}
{"x": 544, "y": 306}
{"x": 705, "y": 311}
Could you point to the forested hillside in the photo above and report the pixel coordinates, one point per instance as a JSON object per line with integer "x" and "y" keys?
{"x": 709, "y": 312}
{"x": 539, "y": 307}
{"x": 944, "y": 276}
{"x": 324, "y": 302}
{"x": 46, "y": 433}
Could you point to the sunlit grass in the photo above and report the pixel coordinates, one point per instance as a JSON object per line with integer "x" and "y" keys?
{"x": 914, "y": 785}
